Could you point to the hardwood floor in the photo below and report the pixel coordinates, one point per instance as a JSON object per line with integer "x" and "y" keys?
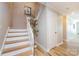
{"x": 65, "y": 50}
{"x": 40, "y": 52}
{"x": 62, "y": 50}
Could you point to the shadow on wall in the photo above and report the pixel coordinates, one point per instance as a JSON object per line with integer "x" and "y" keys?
{"x": 18, "y": 17}
{"x": 4, "y": 20}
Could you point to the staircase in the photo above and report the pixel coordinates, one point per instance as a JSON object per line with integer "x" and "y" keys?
{"x": 17, "y": 43}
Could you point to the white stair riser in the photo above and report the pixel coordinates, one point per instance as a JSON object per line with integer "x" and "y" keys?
{"x": 17, "y": 30}
{"x": 16, "y": 34}
{"x": 16, "y": 44}
{"x": 18, "y": 38}
{"x": 17, "y": 51}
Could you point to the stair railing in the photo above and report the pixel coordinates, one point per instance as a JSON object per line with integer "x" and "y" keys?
{"x": 3, "y": 43}
{"x": 30, "y": 33}
{"x": 39, "y": 13}
{"x": 30, "y": 29}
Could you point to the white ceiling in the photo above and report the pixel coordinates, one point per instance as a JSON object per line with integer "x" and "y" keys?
{"x": 63, "y": 7}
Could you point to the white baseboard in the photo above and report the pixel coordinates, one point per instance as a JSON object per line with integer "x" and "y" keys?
{"x": 55, "y": 46}
{"x": 47, "y": 50}
{"x": 59, "y": 44}
{"x": 41, "y": 46}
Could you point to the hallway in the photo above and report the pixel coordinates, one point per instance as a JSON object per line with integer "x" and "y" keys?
{"x": 59, "y": 35}
{"x": 66, "y": 49}
{"x": 52, "y": 26}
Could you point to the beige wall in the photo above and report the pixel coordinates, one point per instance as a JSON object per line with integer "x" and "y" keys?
{"x": 4, "y": 19}
{"x": 18, "y": 17}
{"x": 64, "y": 18}
{"x": 10, "y": 4}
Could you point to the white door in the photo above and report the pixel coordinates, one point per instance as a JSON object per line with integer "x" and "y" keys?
{"x": 77, "y": 36}
{"x": 58, "y": 33}
{"x": 77, "y": 32}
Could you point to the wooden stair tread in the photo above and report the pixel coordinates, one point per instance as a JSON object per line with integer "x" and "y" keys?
{"x": 17, "y": 43}
{"x": 27, "y": 53}
{"x": 15, "y": 52}
{"x": 16, "y": 36}
{"x": 15, "y": 48}
{"x": 17, "y": 32}
{"x": 11, "y": 42}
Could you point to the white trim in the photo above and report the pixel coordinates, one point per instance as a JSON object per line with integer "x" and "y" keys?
{"x": 55, "y": 46}
{"x": 4, "y": 41}
{"x": 47, "y": 50}
{"x": 41, "y": 46}
{"x": 59, "y": 44}
{"x": 17, "y": 30}
{"x": 30, "y": 33}
{"x": 17, "y": 34}
{"x": 20, "y": 38}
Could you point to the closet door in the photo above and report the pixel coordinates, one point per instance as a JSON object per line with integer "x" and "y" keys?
{"x": 59, "y": 31}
